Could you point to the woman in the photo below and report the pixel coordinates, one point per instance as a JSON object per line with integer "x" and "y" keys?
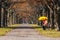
{"x": 45, "y": 23}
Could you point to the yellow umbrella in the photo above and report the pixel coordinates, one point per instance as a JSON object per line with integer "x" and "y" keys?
{"x": 42, "y": 18}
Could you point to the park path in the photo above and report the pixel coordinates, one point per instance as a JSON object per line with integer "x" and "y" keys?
{"x": 25, "y": 34}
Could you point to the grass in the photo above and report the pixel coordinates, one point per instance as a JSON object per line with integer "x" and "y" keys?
{"x": 49, "y": 33}
{"x": 3, "y": 31}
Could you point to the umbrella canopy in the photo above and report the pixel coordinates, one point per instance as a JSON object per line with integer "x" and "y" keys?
{"x": 42, "y": 18}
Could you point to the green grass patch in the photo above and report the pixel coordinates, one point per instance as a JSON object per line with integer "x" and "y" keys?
{"x": 3, "y": 31}
{"x": 49, "y": 33}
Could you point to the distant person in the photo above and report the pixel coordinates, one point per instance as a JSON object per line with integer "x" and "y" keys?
{"x": 45, "y": 23}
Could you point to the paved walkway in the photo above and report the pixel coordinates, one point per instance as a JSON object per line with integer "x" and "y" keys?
{"x": 25, "y": 34}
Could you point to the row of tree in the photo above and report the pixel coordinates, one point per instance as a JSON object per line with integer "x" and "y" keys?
{"x": 7, "y": 14}
{"x": 49, "y": 8}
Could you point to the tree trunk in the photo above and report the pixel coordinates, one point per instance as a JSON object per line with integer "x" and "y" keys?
{"x": 5, "y": 18}
{"x": 58, "y": 14}
{"x": 0, "y": 14}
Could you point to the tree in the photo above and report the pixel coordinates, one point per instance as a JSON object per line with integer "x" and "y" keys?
{"x": 58, "y": 13}
{"x": 0, "y": 13}
{"x": 58, "y": 19}
{"x": 4, "y": 6}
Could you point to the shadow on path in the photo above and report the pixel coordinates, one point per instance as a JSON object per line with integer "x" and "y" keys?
{"x": 25, "y": 27}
